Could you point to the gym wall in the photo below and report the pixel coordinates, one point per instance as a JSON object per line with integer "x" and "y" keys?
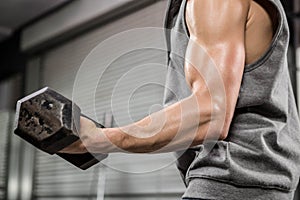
{"x": 5, "y": 126}
{"x": 10, "y": 92}
{"x": 56, "y": 179}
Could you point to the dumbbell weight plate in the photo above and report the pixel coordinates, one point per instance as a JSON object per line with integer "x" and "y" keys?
{"x": 50, "y": 122}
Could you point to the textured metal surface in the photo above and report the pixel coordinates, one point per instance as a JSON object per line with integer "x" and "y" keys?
{"x": 45, "y": 119}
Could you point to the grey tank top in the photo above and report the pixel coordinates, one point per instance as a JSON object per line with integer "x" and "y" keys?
{"x": 261, "y": 155}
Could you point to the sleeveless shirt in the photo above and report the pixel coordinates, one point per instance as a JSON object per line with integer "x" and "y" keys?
{"x": 260, "y": 158}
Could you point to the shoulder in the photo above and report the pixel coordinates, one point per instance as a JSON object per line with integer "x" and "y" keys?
{"x": 216, "y": 16}
{"x": 233, "y": 5}
{"x": 218, "y": 9}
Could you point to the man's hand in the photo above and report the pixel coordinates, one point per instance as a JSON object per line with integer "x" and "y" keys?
{"x": 91, "y": 139}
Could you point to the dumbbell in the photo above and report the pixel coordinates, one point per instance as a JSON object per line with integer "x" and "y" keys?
{"x": 51, "y": 122}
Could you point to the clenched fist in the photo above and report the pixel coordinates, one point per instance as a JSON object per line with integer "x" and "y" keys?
{"x": 92, "y": 139}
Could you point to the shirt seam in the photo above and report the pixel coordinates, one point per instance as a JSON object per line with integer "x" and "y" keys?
{"x": 280, "y": 188}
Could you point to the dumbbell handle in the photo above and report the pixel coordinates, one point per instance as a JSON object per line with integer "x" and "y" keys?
{"x": 96, "y": 123}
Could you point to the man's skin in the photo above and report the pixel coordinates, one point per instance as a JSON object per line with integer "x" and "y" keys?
{"x": 233, "y": 33}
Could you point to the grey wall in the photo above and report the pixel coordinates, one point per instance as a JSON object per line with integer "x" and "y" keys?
{"x": 53, "y": 177}
{"x": 74, "y": 15}
{"x": 10, "y": 90}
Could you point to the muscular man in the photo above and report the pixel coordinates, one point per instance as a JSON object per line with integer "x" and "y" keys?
{"x": 257, "y": 155}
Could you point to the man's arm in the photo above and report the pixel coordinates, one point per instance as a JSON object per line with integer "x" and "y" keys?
{"x": 217, "y": 31}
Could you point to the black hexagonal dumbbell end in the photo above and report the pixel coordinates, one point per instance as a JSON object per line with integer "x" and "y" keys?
{"x": 50, "y": 122}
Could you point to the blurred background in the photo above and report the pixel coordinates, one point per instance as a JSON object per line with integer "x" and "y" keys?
{"x": 43, "y": 43}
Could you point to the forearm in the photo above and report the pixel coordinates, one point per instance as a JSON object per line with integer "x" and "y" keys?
{"x": 176, "y": 127}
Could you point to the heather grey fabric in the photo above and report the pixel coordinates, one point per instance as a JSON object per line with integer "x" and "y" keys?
{"x": 260, "y": 159}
